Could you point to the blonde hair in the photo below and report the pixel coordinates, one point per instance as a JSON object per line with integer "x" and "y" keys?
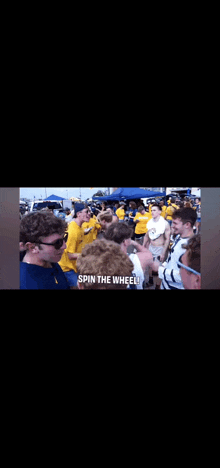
{"x": 104, "y": 258}
{"x": 105, "y": 216}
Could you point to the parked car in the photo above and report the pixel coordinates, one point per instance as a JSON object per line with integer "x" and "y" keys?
{"x": 40, "y": 204}
{"x": 23, "y": 208}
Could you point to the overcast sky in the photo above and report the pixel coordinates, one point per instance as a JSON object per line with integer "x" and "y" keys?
{"x": 66, "y": 192}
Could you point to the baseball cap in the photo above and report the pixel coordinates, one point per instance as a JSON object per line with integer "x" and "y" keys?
{"x": 79, "y": 207}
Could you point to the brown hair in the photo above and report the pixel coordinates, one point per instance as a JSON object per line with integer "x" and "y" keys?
{"x": 193, "y": 248}
{"x": 118, "y": 232}
{"x": 105, "y": 216}
{"x": 157, "y": 206}
{"x": 40, "y": 224}
{"x": 103, "y": 258}
{"x": 133, "y": 205}
{"x": 187, "y": 215}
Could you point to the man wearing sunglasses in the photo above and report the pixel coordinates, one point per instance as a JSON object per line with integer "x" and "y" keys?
{"x": 43, "y": 238}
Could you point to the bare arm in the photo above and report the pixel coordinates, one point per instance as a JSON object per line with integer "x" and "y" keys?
{"x": 146, "y": 259}
{"x": 144, "y": 255}
{"x": 140, "y": 248}
{"x": 146, "y": 241}
{"x": 73, "y": 256}
{"x": 166, "y": 243}
{"x": 167, "y": 236}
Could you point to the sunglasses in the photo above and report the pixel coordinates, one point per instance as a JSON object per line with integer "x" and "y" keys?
{"x": 58, "y": 243}
{"x": 181, "y": 265}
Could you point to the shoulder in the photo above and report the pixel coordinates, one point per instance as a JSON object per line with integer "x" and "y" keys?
{"x": 23, "y": 266}
{"x": 72, "y": 226}
{"x": 184, "y": 241}
{"x": 28, "y": 277}
{"x": 167, "y": 226}
{"x": 57, "y": 267}
{"x": 179, "y": 242}
{"x": 23, "y": 270}
{"x": 74, "y": 229}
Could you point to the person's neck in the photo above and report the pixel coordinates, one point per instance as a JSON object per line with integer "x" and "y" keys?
{"x": 123, "y": 247}
{"x": 33, "y": 260}
{"x": 78, "y": 222}
{"x": 156, "y": 219}
{"x": 187, "y": 233}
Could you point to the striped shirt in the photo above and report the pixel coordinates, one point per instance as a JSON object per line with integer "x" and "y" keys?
{"x": 169, "y": 271}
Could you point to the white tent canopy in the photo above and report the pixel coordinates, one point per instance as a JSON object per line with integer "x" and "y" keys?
{"x": 197, "y": 193}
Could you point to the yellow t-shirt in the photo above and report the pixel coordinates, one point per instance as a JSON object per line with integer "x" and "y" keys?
{"x": 169, "y": 211}
{"x": 163, "y": 212}
{"x": 141, "y": 226}
{"x": 88, "y": 238}
{"x": 74, "y": 245}
{"x": 151, "y": 204}
{"x": 120, "y": 213}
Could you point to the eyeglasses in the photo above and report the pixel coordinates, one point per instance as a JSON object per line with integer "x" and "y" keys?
{"x": 58, "y": 243}
{"x": 181, "y": 265}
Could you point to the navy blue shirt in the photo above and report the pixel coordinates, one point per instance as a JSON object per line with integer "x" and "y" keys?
{"x": 133, "y": 213}
{"x": 37, "y": 277}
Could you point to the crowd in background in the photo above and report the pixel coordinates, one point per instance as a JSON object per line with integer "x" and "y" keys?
{"x": 157, "y": 243}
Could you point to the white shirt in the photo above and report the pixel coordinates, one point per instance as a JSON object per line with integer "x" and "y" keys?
{"x": 69, "y": 218}
{"x": 169, "y": 272}
{"x": 137, "y": 271}
{"x": 156, "y": 228}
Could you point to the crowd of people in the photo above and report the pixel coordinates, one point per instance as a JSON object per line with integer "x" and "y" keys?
{"x": 127, "y": 245}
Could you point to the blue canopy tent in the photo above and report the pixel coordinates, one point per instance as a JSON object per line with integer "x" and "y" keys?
{"x": 54, "y": 198}
{"x": 130, "y": 193}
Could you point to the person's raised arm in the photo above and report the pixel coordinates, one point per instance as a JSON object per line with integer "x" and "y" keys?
{"x": 139, "y": 247}
{"x": 73, "y": 256}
